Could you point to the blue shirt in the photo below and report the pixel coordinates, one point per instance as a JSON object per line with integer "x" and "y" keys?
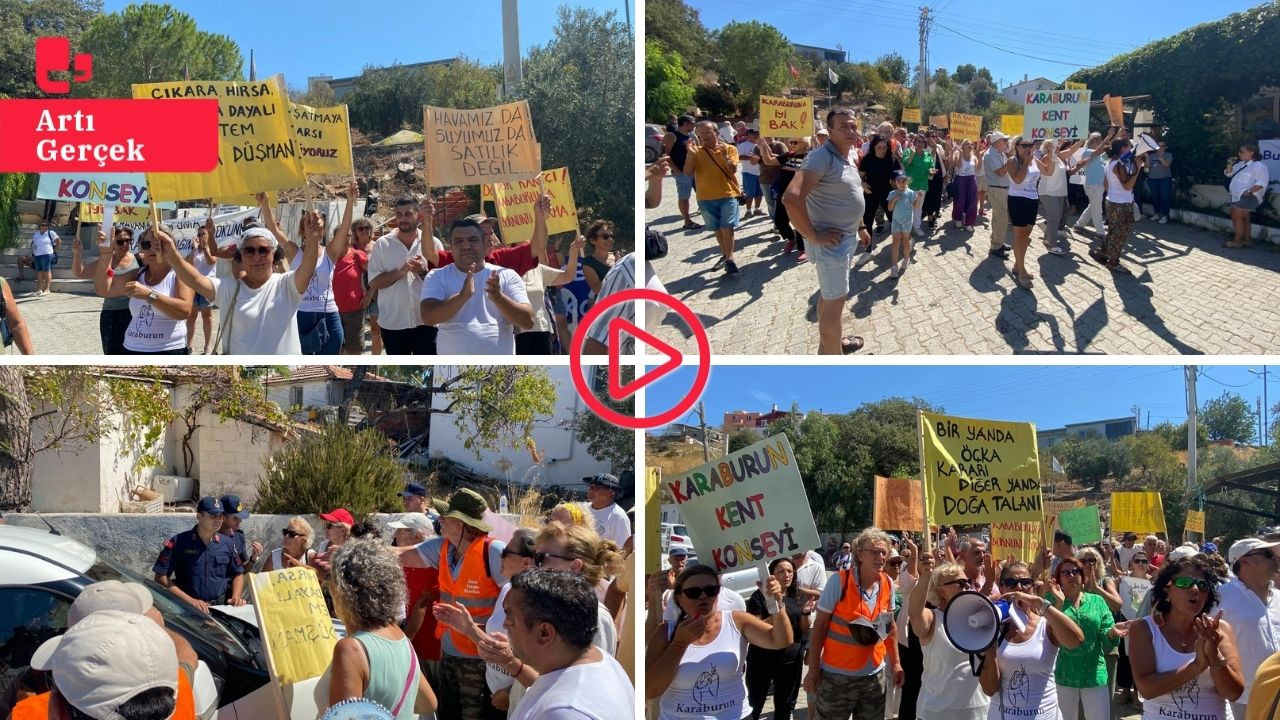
{"x": 1095, "y": 166}
{"x": 241, "y": 543}
{"x": 907, "y": 199}
{"x": 199, "y": 570}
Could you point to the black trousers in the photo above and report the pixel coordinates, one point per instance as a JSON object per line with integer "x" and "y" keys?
{"x": 419, "y": 340}
{"x": 782, "y": 223}
{"x": 912, "y": 658}
{"x": 875, "y": 199}
{"x": 534, "y": 342}
{"x": 764, "y": 666}
{"x": 112, "y": 325}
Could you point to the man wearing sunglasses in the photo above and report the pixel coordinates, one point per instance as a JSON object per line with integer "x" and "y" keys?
{"x": 1251, "y": 604}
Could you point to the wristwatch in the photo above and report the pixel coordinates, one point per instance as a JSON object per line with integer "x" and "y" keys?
{"x": 152, "y": 296}
{"x": 1045, "y": 606}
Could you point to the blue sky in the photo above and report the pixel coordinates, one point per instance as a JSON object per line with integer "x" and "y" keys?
{"x": 339, "y": 38}
{"x": 1049, "y": 396}
{"x": 867, "y": 29}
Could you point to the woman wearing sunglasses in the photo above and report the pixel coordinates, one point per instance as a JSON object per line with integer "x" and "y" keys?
{"x": 948, "y": 689}
{"x": 1081, "y": 672}
{"x": 1024, "y": 170}
{"x": 351, "y": 291}
{"x": 1017, "y": 670}
{"x": 115, "y": 317}
{"x": 696, "y": 664}
{"x": 295, "y": 548}
{"x": 158, "y": 303}
{"x": 596, "y": 264}
{"x": 1184, "y": 659}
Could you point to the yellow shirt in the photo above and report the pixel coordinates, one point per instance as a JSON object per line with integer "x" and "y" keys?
{"x": 712, "y": 183}
{"x": 1265, "y": 691}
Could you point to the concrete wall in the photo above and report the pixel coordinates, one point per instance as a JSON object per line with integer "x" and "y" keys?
{"x": 230, "y": 456}
{"x": 315, "y": 393}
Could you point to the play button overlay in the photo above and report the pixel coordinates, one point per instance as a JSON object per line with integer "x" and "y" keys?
{"x": 617, "y": 328}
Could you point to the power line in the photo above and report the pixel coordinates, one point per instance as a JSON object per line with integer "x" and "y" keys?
{"x": 1011, "y": 52}
{"x": 1075, "y": 39}
{"x": 1206, "y": 376}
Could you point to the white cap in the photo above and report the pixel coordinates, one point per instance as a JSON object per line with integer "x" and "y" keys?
{"x": 107, "y": 659}
{"x": 415, "y": 521}
{"x": 109, "y": 595}
{"x": 1243, "y": 547}
{"x": 1182, "y": 551}
{"x": 996, "y": 137}
{"x": 257, "y": 232}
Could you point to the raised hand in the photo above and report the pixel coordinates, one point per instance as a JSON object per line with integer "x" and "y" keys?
{"x": 454, "y": 615}
{"x": 691, "y": 629}
{"x": 774, "y": 588}
{"x": 468, "y": 285}
{"x": 496, "y": 649}
{"x": 353, "y": 190}
{"x": 543, "y": 205}
{"x": 136, "y": 289}
{"x": 103, "y": 243}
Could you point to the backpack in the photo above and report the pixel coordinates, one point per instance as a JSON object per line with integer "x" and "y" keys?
{"x": 655, "y": 245}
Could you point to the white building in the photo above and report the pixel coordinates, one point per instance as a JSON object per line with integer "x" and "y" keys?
{"x": 1017, "y": 92}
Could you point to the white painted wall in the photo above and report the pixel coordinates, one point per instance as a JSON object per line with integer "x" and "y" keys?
{"x": 231, "y": 456}
{"x": 315, "y": 393}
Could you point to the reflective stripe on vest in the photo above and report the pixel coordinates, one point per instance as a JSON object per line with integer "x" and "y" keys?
{"x": 840, "y": 650}
{"x": 472, "y": 588}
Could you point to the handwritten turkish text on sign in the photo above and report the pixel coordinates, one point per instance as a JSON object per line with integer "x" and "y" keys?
{"x": 747, "y": 507}
{"x": 93, "y": 213}
{"x": 227, "y": 228}
{"x": 1056, "y": 114}
{"x": 1140, "y": 512}
{"x": 515, "y": 205}
{"x": 965, "y": 127}
{"x": 473, "y": 147}
{"x": 979, "y": 471}
{"x": 1011, "y": 125}
{"x": 1082, "y": 524}
{"x": 256, "y": 148}
{"x": 1018, "y": 539}
{"x": 786, "y": 117}
{"x": 938, "y": 121}
{"x": 324, "y": 138}
{"x": 295, "y": 622}
{"x": 898, "y": 504}
{"x": 911, "y": 115}
{"x": 1195, "y": 521}
{"x": 1075, "y": 86}
{"x": 98, "y": 188}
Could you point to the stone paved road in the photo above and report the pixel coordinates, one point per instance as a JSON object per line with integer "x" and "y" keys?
{"x": 1188, "y": 294}
{"x": 67, "y": 323}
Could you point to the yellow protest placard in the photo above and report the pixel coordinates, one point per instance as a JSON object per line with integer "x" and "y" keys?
{"x": 1075, "y": 86}
{"x": 979, "y": 471}
{"x": 1053, "y": 507}
{"x": 515, "y": 205}
{"x": 652, "y": 509}
{"x": 1019, "y": 539}
{"x": 92, "y": 213}
{"x": 1140, "y": 512}
{"x": 965, "y": 127}
{"x": 938, "y": 121}
{"x": 324, "y": 138}
{"x": 1011, "y": 125}
{"x": 295, "y": 623}
{"x": 485, "y": 145}
{"x": 911, "y": 115}
{"x": 786, "y": 117}
{"x": 256, "y": 151}
{"x": 898, "y": 504}
{"x": 1195, "y": 521}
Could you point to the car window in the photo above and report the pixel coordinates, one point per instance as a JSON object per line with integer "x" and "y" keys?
{"x": 28, "y": 617}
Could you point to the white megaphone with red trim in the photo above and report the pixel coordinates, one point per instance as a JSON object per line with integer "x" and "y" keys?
{"x": 974, "y": 623}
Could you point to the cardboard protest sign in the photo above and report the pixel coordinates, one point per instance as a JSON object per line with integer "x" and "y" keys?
{"x": 1082, "y": 524}
{"x": 256, "y": 151}
{"x": 515, "y": 205}
{"x": 1195, "y": 521}
{"x": 652, "y": 509}
{"x": 1011, "y": 125}
{"x": 911, "y": 115}
{"x": 227, "y": 228}
{"x": 1019, "y": 539}
{"x": 938, "y": 121}
{"x": 747, "y": 507}
{"x": 92, "y": 213}
{"x": 1074, "y": 86}
{"x": 1140, "y": 512}
{"x": 97, "y": 188}
{"x": 965, "y": 127}
{"x": 1132, "y": 591}
{"x": 786, "y": 117}
{"x": 294, "y": 623}
{"x": 323, "y": 137}
{"x": 899, "y": 504}
{"x": 1115, "y": 108}
{"x": 485, "y": 145}
{"x": 979, "y": 471}
{"x": 1056, "y": 114}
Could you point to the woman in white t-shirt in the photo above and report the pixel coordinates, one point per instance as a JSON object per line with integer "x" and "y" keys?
{"x": 257, "y": 309}
{"x": 537, "y": 341}
{"x": 319, "y": 323}
{"x": 1249, "y": 180}
{"x": 1024, "y": 170}
{"x": 158, "y": 302}
{"x": 1121, "y": 175}
{"x": 948, "y": 688}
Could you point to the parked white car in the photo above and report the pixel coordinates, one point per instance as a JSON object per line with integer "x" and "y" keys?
{"x": 675, "y": 535}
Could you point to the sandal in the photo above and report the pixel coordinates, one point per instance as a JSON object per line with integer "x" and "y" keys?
{"x": 1024, "y": 281}
{"x": 1119, "y": 269}
{"x": 1097, "y": 255}
{"x": 1232, "y": 244}
{"x": 850, "y": 344}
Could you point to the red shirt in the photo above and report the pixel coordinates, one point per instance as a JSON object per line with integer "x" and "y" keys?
{"x": 516, "y": 257}
{"x": 348, "y": 292}
{"x": 418, "y": 581}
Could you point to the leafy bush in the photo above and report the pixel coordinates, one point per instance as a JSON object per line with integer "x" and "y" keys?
{"x": 336, "y": 468}
{"x": 715, "y": 101}
{"x": 667, "y": 90}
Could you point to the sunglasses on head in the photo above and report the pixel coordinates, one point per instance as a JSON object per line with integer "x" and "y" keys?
{"x": 1265, "y": 553}
{"x": 1185, "y": 582}
{"x": 1017, "y": 582}
{"x": 506, "y": 552}
{"x": 540, "y": 558}
{"x": 255, "y": 250}
{"x": 693, "y": 593}
{"x": 290, "y": 533}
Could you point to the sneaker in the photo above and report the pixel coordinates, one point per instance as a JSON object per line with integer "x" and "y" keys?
{"x": 691, "y": 225}
{"x": 917, "y": 232}
{"x": 1164, "y": 219}
{"x": 1002, "y": 253}
{"x": 1057, "y": 250}
{"x": 893, "y": 271}
{"x": 902, "y": 267}
{"x": 731, "y": 267}
{"x": 791, "y": 245}
{"x": 864, "y": 257}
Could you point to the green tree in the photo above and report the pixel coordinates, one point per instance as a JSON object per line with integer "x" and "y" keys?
{"x": 318, "y": 95}
{"x": 604, "y": 440}
{"x": 154, "y": 43}
{"x": 965, "y": 73}
{"x": 742, "y": 438}
{"x": 21, "y": 22}
{"x": 715, "y": 100}
{"x": 893, "y": 68}
{"x": 667, "y": 90}
{"x": 861, "y": 80}
{"x": 581, "y": 91}
{"x": 1228, "y": 417}
{"x": 1177, "y": 434}
{"x": 386, "y": 100}
{"x": 1091, "y": 460}
{"x": 984, "y": 92}
{"x": 757, "y": 54}
{"x": 678, "y": 29}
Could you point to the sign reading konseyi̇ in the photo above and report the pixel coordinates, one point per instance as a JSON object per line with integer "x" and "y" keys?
{"x": 485, "y": 145}
{"x": 979, "y": 471}
{"x": 295, "y": 623}
{"x": 747, "y": 507}
{"x": 1056, "y": 114}
{"x": 786, "y": 117}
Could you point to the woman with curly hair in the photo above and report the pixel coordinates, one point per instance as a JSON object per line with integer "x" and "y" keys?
{"x": 375, "y": 660}
{"x": 1184, "y": 660}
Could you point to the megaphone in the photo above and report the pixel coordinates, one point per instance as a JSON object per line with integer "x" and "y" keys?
{"x": 1145, "y": 144}
{"x": 974, "y": 623}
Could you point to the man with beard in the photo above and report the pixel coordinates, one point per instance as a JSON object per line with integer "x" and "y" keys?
{"x": 397, "y": 267}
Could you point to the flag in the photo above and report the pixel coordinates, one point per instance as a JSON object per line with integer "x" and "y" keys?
{"x": 832, "y": 77}
{"x": 253, "y": 68}
{"x": 1057, "y": 466}
{"x": 795, "y": 74}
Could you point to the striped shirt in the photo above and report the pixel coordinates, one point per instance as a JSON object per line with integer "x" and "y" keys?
{"x": 621, "y": 277}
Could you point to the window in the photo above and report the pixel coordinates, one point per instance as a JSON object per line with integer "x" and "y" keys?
{"x": 28, "y": 617}
{"x": 295, "y": 396}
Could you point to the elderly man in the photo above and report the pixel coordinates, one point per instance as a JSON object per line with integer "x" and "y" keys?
{"x": 854, "y": 637}
{"x": 1250, "y": 602}
{"x": 611, "y": 520}
{"x": 713, "y": 164}
{"x": 997, "y": 175}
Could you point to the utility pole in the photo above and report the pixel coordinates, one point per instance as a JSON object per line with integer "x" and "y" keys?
{"x": 1190, "y": 372}
{"x": 1263, "y": 438}
{"x": 512, "y": 69}
{"x": 706, "y": 442}
{"x": 924, "y": 54}
{"x": 1259, "y": 401}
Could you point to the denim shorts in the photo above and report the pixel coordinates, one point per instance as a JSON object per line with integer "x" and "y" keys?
{"x": 832, "y": 264}
{"x": 43, "y": 263}
{"x": 722, "y": 213}
{"x": 751, "y": 185}
{"x": 684, "y": 186}
{"x": 900, "y": 226}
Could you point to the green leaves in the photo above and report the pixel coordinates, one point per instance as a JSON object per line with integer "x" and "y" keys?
{"x": 757, "y": 55}
{"x": 386, "y": 100}
{"x": 496, "y": 407}
{"x": 337, "y": 467}
{"x": 667, "y": 90}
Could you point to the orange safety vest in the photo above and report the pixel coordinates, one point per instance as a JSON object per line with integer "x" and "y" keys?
{"x": 839, "y": 650}
{"x": 472, "y": 589}
{"x": 36, "y": 707}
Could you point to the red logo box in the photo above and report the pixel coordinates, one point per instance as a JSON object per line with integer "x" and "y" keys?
{"x": 108, "y": 135}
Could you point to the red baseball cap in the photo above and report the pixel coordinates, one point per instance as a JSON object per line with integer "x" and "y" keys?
{"x": 338, "y": 515}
